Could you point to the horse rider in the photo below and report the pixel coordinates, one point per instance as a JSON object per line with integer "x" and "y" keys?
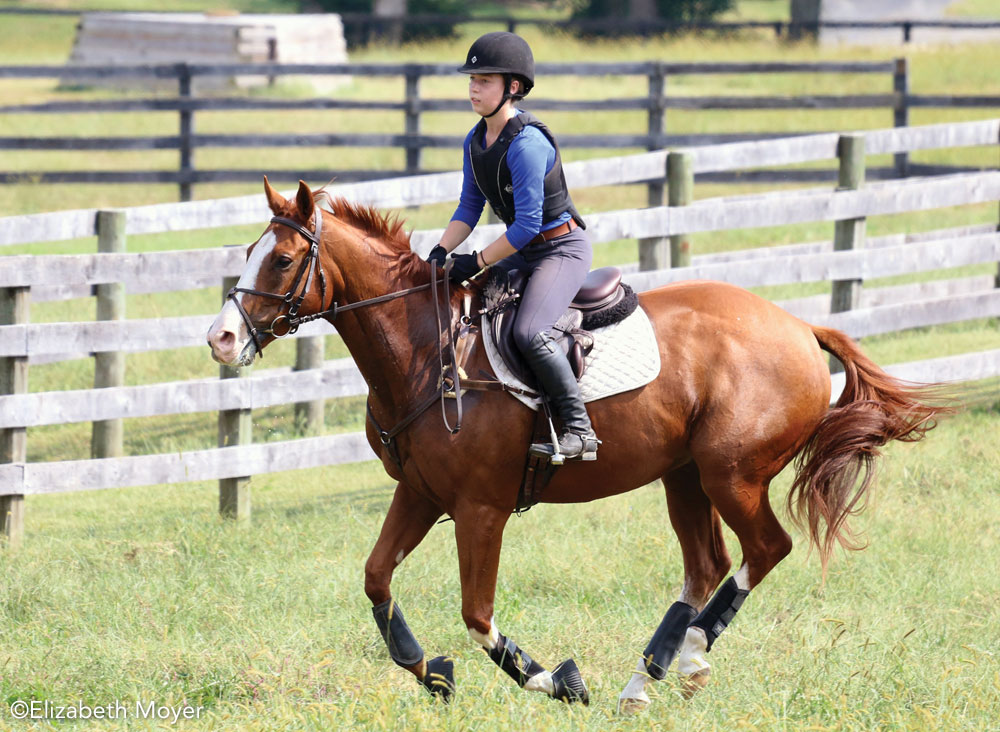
{"x": 512, "y": 161}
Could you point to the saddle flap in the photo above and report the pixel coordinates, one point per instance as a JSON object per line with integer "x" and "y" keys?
{"x": 603, "y": 300}
{"x": 563, "y": 332}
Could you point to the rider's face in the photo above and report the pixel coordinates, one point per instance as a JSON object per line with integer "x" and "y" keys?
{"x": 485, "y": 92}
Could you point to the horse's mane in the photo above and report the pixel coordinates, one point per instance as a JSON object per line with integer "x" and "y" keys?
{"x": 387, "y": 228}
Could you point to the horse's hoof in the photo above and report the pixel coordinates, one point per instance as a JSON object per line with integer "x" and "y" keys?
{"x": 629, "y": 706}
{"x": 440, "y": 678}
{"x": 693, "y": 683}
{"x": 568, "y": 684}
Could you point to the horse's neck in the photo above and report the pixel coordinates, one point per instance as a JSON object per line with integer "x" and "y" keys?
{"x": 392, "y": 342}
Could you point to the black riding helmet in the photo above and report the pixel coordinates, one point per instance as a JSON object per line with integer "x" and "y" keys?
{"x": 502, "y": 53}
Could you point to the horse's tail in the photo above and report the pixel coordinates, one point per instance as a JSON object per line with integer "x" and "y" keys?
{"x": 873, "y": 409}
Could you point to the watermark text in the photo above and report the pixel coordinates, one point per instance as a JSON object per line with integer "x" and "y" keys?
{"x": 138, "y": 709}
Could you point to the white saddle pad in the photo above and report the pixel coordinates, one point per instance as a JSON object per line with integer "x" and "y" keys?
{"x": 625, "y": 356}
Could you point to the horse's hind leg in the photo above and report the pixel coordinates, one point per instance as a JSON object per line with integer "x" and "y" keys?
{"x": 706, "y": 562}
{"x": 409, "y": 519}
{"x": 479, "y": 535}
{"x": 743, "y": 505}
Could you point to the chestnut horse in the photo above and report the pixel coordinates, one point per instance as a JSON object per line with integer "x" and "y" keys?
{"x": 744, "y": 388}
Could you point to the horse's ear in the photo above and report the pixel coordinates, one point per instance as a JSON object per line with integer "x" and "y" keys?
{"x": 274, "y": 199}
{"x": 304, "y": 200}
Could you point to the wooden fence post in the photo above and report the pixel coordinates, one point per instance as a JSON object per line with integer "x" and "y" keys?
{"x": 309, "y": 355}
{"x": 413, "y": 150}
{"x": 186, "y": 132}
{"x": 235, "y": 428}
{"x": 901, "y": 112}
{"x": 848, "y": 233}
{"x": 680, "y": 180}
{"x": 654, "y": 252}
{"x": 107, "y": 436}
{"x": 14, "y": 309}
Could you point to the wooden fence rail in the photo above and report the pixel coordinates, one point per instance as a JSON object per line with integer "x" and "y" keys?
{"x": 232, "y": 462}
{"x": 50, "y": 343}
{"x": 444, "y": 187}
{"x": 739, "y": 212}
{"x": 869, "y": 311}
{"x": 655, "y": 103}
{"x": 24, "y": 340}
{"x": 44, "y": 342}
{"x": 956, "y": 301}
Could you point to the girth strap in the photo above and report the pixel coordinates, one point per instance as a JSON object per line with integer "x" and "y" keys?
{"x": 388, "y": 437}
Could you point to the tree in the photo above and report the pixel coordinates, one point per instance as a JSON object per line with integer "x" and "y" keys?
{"x": 359, "y": 33}
{"x": 604, "y": 17}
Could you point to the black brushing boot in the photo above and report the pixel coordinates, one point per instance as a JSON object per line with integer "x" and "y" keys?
{"x": 550, "y": 366}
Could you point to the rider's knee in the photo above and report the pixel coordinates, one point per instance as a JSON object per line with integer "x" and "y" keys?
{"x": 526, "y": 338}
{"x": 522, "y": 338}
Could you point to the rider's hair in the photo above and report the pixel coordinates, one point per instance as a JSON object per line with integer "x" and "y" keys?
{"x": 520, "y": 93}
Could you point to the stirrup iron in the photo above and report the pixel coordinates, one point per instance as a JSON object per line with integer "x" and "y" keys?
{"x": 553, "y": 450}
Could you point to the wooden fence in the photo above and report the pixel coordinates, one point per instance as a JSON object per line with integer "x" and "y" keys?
{"x": 896, "y": 100}
{"x": 662, "y": 231}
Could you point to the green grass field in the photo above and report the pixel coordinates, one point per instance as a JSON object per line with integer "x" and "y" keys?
{"x": 146, "y": 595}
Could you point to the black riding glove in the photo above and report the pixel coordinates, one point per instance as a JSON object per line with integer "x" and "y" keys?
{"x": 438, "y": 256}
{"x": 464, "y": 267}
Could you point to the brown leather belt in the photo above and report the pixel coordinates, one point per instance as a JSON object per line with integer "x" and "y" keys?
{"x": 549, "y": 234}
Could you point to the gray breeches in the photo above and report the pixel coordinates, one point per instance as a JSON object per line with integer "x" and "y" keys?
{"x": 558, "y": 269}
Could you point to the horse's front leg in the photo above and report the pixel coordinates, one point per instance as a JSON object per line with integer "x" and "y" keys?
{"x": 409, "y": 519}
{"x": 479, "y": 535}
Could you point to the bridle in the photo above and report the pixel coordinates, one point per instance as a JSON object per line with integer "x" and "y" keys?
{"x": 288, "y": 323}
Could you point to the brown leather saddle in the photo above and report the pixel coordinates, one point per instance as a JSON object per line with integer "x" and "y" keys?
{"x": 602, "y": 300}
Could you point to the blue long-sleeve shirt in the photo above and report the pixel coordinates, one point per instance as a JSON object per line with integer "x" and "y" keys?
{"x": 529, "y": 157}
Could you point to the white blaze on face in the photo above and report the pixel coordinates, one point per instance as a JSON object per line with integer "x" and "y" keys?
{"x": 229, "y": 319}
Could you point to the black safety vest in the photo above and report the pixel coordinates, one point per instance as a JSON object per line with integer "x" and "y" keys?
{"x": 489, "y": 166}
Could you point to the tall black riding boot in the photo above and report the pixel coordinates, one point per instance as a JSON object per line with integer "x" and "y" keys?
{"x": 551, "y": 367}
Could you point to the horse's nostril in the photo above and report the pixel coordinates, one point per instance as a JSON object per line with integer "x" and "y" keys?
{"x": 222, "y": 339}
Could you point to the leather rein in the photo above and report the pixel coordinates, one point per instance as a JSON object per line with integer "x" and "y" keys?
{"x": 288, "y": 323}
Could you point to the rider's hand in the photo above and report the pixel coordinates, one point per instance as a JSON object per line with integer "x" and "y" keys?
{"x": 464, "y": 267}
{"x": 438, "y": 256}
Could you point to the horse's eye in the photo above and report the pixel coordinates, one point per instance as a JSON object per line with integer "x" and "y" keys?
{"x": 283, "y": 262}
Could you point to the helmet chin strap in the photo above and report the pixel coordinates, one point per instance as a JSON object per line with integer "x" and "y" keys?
{"x": 506, "y": 95}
